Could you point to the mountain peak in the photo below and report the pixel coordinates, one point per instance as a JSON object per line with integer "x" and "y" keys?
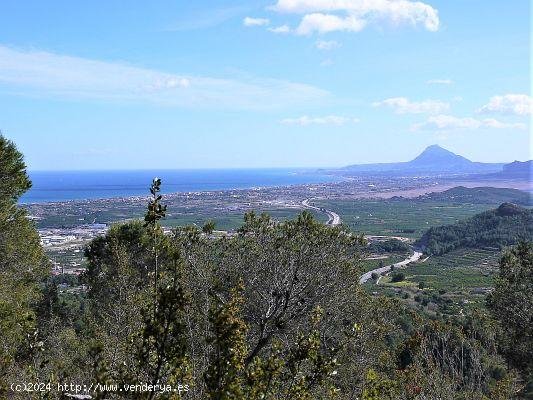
{"x": 436, "y": 149}
{"x": 434, "y": 146}
{"x": 434, "y": 159}
{"x": 509, "y": 209}
{"x": 437, "y": 154}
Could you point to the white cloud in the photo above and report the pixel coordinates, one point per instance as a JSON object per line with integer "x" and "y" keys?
{"x": 168, "y": 83}
{"x": 439, "y": 82}
{"x": 328, "y": 62}
{"x": 249, "y": 21}
{"x": 518, "y": 104}
{"x": 39, "y": 73}
{"x": 280, "y": 29}
{"x": 324, "y": 23}
{"x": 353, "y": 15}
{"x": 402, "y": 105}
{"x": 306, "y": 120}
{"x": 494, "y": 123}
{"x": 449, "y": 122}
{"x": 327, "y": 44}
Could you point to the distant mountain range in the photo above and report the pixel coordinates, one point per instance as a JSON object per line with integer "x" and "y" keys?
{"x": 434, "y": 159}
{"x": 517, "y": 169}
{"x": 480, "y": 195}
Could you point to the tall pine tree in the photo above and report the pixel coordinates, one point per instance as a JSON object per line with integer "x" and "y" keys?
{"x": 22, "y": 267}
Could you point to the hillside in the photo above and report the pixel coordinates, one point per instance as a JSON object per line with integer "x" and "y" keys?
{"x": 434, "y": 159}
{"x": 517, "y": 169}
{"x": 506, "y": 225}
{"x": 480, "y": 195}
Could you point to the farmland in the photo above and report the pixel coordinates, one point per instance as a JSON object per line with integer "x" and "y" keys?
{"x": 403, "y": 217}
{"x": 447, "y": 283}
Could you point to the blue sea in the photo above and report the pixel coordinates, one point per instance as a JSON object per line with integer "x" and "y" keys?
{"x": 52, "y": 186}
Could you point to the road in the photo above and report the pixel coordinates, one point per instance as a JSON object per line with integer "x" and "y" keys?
{"x": 333, "y": 218}
{"x": 368, "y": 275}
{"x": 381, "y": 237}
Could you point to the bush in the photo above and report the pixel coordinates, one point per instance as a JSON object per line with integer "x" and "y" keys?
{"x": 388, "y": 246}
{"x": 398, "y": 277}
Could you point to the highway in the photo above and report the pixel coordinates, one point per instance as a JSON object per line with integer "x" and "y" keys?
{"x": 368, "y": 275}
{"x": 333, "y": 218}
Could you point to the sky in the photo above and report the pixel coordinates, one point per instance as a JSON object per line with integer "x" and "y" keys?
{"x": 253, "y": 84}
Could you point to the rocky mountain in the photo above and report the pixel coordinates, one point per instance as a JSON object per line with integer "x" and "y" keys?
{"x": 434, "y": 159}
{"x": 517, "y": 169}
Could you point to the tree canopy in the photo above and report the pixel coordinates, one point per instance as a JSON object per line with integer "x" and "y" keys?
{"x": 23, "y": 267}
{"x": 504, "y": 226}
{"x": 511, "y": 303}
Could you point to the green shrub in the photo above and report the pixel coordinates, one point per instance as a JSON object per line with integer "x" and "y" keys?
{"x": 398, "y": 277}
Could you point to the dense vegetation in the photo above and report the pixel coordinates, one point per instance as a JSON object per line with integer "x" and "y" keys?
{"x": 388, "y": 246}
{"x": 512, "y": 304}
{"x": 506, "y": 225}
{"x": 273, "y": 312}
{"x": 22, "y": 267}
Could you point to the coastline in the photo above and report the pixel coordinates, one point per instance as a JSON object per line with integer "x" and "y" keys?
{"x": 262, "y": 179}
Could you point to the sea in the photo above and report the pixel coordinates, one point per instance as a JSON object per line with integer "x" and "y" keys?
{"x": 55, "y": 186}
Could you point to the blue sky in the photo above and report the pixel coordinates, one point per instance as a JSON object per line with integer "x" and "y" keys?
{"x": 280, "y": 83}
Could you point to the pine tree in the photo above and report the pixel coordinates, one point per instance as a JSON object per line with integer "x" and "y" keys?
{"x": 22, "y": 267}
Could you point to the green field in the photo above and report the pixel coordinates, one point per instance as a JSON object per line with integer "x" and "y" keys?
{"x": 459, "y": 271}
{"x": 445, "y": 284}
{"x": 392, "y": 258}
{"x": 409, "y": 218}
